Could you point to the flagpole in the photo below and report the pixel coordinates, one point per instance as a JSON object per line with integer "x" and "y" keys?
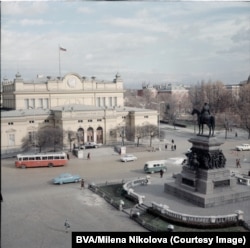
{"x": 64, "y": 50}
{"x": 59, "y": 61}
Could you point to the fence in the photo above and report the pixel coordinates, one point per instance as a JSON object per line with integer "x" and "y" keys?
{"x": 219, "y": 220}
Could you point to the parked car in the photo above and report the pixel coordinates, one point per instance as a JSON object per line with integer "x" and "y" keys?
{"x": 128, "y": 157}
{"x": 66, "y": 178}
{"x": 91, "y": 145}
{"x": 243, "y": 147}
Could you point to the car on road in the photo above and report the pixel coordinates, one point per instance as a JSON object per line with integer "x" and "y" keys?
{"x": 243, "y": 147}
{"x": 66, "y": 178}
{"x": 155, "y": 166}
{"x": 90, "y": 145}
{"x": 128, "y": 157}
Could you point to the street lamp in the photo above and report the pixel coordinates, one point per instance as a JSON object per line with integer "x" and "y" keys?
{"x": 159, "y": 128}
{"x": 34, "y": 138}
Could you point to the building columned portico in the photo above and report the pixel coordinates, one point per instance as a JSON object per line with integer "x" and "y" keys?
{"x": 90, "y": 108}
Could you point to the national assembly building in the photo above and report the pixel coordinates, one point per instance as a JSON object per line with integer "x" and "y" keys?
{"x": 91, "y": 109}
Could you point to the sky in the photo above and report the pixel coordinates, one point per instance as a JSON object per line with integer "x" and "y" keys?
{"x": 182, "y": 42}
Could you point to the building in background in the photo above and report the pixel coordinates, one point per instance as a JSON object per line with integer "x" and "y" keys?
{"x": 92, "y": 109}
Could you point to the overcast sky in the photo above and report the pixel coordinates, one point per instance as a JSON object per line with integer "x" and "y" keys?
{"x": 153, "y": 42}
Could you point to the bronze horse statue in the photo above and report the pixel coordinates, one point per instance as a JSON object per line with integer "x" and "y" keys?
{"x": 204, "y": 119}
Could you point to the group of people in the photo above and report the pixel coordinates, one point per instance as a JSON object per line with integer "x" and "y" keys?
{"x": 173, "y": 146}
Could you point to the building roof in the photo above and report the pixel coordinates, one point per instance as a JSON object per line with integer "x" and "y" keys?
{"x": 66, "y": 108}
{"x": 24, "y": 112}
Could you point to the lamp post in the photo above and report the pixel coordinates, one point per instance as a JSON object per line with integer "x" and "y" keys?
{"x": 159, "y": 128}
{"x": 34, "y": 138}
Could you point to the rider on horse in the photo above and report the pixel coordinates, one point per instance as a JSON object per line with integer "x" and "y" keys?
{"x": 205, "y": 112}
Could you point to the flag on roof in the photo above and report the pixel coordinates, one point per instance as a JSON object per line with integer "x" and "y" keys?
{"x": 62, "y": 49}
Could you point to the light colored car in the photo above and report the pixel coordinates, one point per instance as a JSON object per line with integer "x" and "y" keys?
{"x": 243, "y": 147}
{"x": 66, "y": 178}
{"x": 128, "y": 157}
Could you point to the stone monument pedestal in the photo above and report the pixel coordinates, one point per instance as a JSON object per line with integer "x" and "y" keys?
{"x": 204, "y": 180}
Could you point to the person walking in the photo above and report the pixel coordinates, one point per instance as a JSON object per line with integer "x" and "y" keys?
{"x": 161, "y": 173}
{"x": 238, "y": 163}
{"x": 82, "y": 183}
{"x": 66, "y": 225}
{"x": 88, "y": 155}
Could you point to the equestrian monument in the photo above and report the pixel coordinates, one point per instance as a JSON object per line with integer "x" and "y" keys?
{"x": 204, "y": 180}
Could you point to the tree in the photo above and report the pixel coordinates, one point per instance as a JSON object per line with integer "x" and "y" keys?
{"x": 46, "y": 137}
{"x": 150, "y": 131}
{"x": 71, "y": 136}
{"x": 243, "y": 107}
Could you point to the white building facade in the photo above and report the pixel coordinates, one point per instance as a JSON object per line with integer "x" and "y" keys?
{"x": 94, "y": 110}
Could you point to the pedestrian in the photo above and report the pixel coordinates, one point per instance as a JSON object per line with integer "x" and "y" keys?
{"x": 174, "y": 147}
{"x": 172, "y": 141}
{"x": 82, "y": 183}
{"x": 66, "y": 225}
{"x": 88, "y": 155}
{"x": 67, "y": 156}
{"x": 161, "y": 173}
{"x": 166, "y": 146}
{"x": 239, "y": 163}
{"x": 236, "y": 134}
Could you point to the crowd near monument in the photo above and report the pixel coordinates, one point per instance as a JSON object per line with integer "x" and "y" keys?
{"x": 204, "y": 180}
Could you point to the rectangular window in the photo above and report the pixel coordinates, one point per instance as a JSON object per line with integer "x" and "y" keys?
{"x": 110, "y": 101}
{"x": 26, "y": 103}
{"x": 40, "y": 103}
{"x": 45, "y": 103}
{"x": 32, "y": 103}
{"x": 11, "y": 139}
{"x": 98, "y": 102}
{"x": 115, "y": 101}
{"x": 30, "y": 134}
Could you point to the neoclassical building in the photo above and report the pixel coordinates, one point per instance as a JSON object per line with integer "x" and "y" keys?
{"x": 93, "y": 109}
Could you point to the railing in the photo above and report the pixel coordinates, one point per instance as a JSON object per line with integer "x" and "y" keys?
{"x": 195, "y": 219}
{"x": 128, "y": 188}
{"x": 243, "y": 179}
{"x": 163, "y": 210}
{"x": 106, "y": 196}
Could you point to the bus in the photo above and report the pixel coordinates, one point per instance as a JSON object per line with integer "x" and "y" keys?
{"x": 155, "y": 166}
{"x": 50, "y": 159}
